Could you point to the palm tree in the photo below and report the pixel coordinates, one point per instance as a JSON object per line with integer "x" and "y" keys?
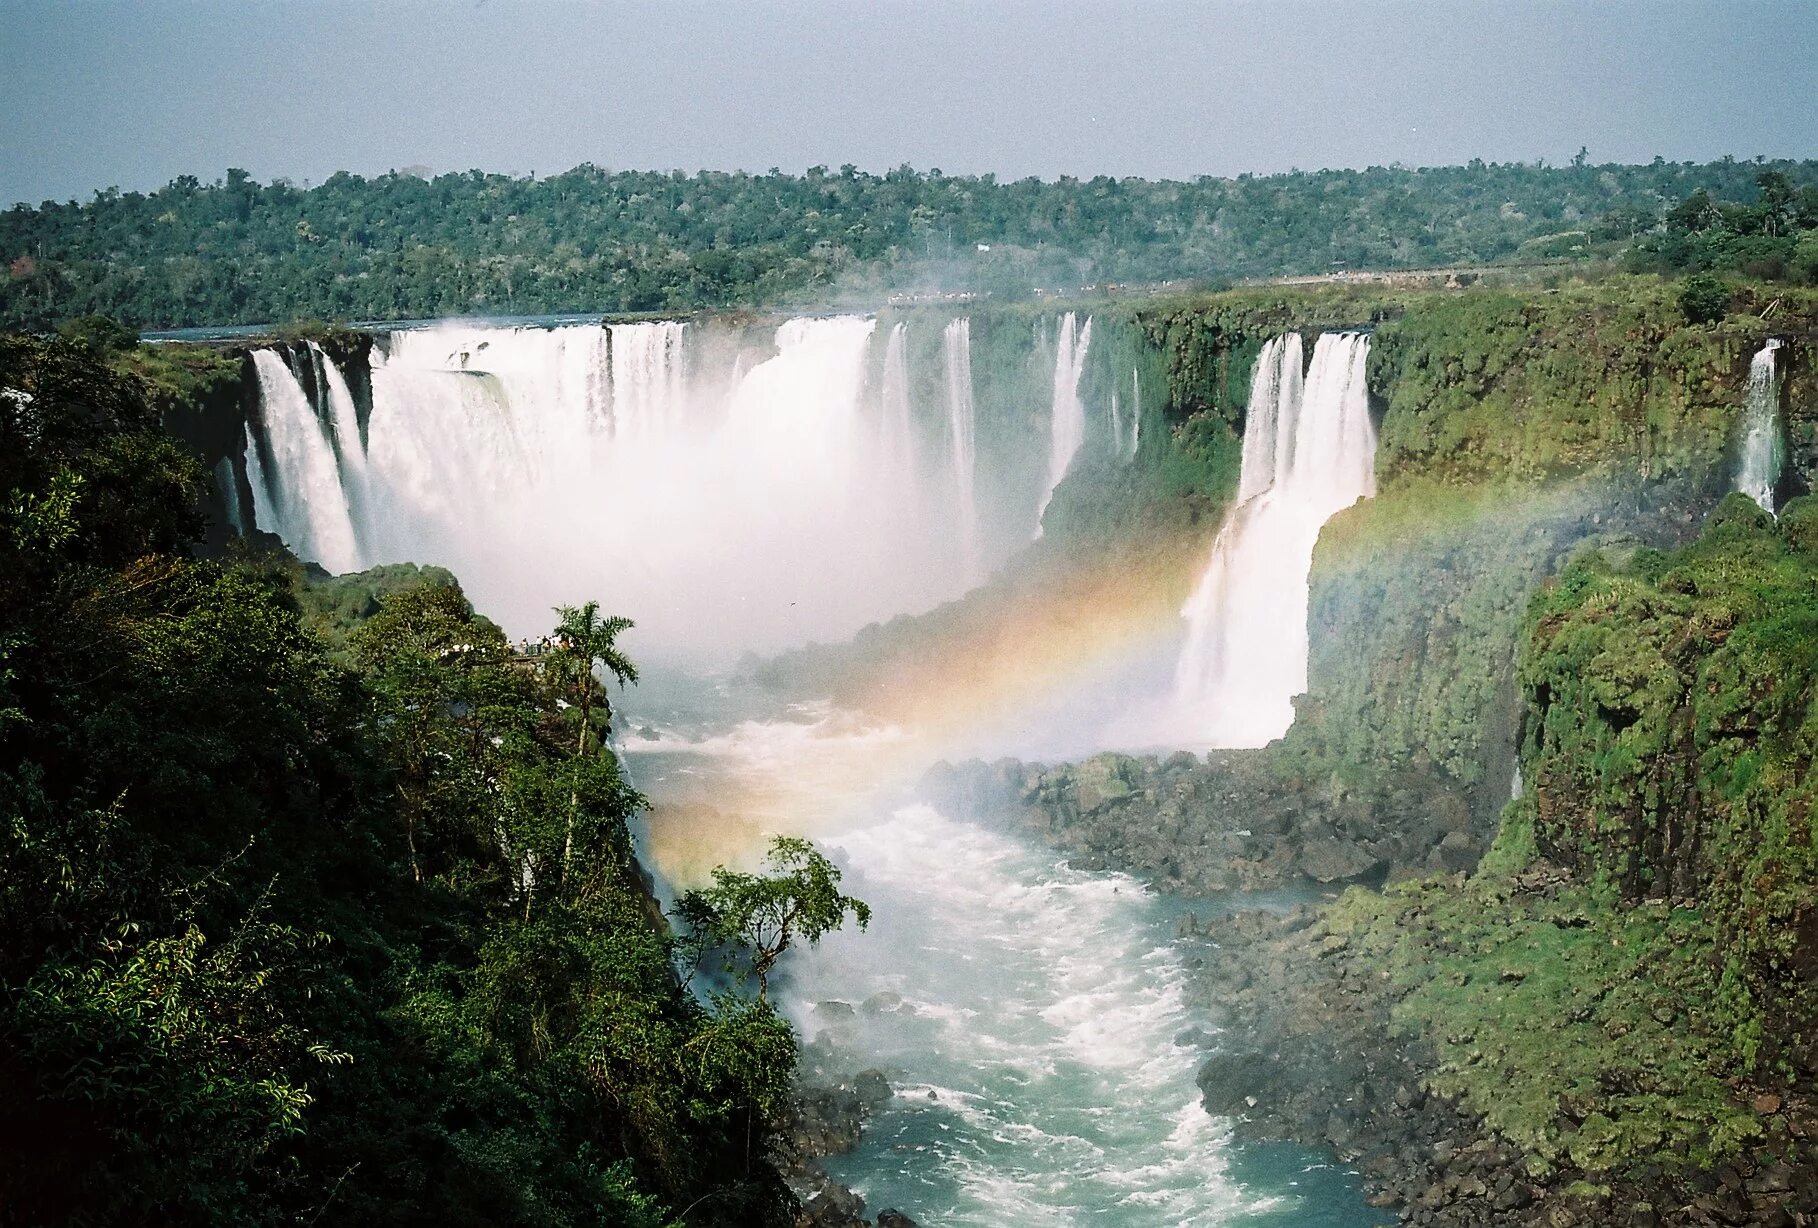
{"x": 584, "y": 639}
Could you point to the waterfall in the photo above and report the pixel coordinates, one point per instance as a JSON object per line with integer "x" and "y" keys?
{"x": 303, "y": 501}
{"x": 344, "y": 426}
{"x": 732, "y": 495}
{"x": 648, "y": 379}
{"x": 1763, "y": 450}
{"x": 962, "y": 423}
{"x": 1067, "y": 413}
{"x": 1308, "y": 452}
{"x": 1136, "y": 412}
{"x": 230, "y": 494}
{"x": 897, "y": 421}
{"x": 899, "y": 429}
{"x": 1117, "y": 426}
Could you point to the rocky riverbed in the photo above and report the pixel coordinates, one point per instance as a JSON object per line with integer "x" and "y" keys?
{"x": 832, "y": 1104}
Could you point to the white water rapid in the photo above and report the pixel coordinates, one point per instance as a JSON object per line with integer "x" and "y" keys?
{"x": 1028, "y": 1015}
{"x": 1067, "y": 413}
{"x": 1763, "y": 450}
{"x": 1309, "y": 452}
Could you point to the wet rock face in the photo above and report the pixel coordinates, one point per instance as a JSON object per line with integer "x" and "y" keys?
{"x": 832, "y": 1205}
{"x": 832, "y": 1104}
{"x": 1235, "y": 820}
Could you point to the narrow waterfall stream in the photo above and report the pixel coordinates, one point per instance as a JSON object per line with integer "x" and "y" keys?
{"x": 962, "y": 425}
{"x": 1066, "y": 412}
{"x": 1763, "y": 449}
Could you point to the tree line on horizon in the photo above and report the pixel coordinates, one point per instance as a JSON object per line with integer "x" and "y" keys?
{"x": 590, "y": 240}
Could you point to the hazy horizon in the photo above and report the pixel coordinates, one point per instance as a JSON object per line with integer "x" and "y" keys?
{"x": 109, "y": 94}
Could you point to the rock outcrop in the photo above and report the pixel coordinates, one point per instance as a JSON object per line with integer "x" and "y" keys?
{"x": 1232, "y": 821}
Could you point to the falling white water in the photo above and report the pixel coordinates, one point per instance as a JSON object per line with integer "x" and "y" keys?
{"x": 1067, "y": 413}
{"x": 1117, "y": 425}
{"x": 230, "y": 494}
{"x": 1763, "y": 451}
{"x": 1308, "y": 453}
{"x": 962, "y": 426}
{"x": 730, "y": 497}
{"x": 344, "y": 425}
{"x": 303, "y": 501}
{"x": 265, "y": 508}
{"x": 899, "y": 425}
{"x": 648, "y": 378}
{"x": 1136, "y": 412}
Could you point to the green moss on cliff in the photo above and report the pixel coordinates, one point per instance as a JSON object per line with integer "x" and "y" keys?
{"x": 1578, "y": 1030}
{"x": 1633, "y": 960}
{"x": 1673, "y": 720}
{"x": 1514, "y": 426}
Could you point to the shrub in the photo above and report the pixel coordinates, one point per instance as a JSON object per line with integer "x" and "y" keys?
{"x": 1704, "y": 299}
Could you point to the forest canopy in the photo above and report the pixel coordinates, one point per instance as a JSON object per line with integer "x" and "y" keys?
{"x": 590, "y": 240}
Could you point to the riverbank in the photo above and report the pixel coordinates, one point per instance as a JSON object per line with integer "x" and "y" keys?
{"x": 1313, "y": 1042}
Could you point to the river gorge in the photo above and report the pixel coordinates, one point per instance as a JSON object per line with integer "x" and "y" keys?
{"x": 1212, "y": 560}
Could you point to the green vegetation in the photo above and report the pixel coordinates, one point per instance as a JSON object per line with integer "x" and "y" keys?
{"x": 1631, "y": 964}
{"x": 1575, "y": 1028}
{"x": 756, "y": 918}
{"x": 398, "y": 247}
{"x": 1773, "y": 235}
{"x": 1514, "y": 426}
{"x": 317, "y": 902}
{"x": 1673, "y": 713}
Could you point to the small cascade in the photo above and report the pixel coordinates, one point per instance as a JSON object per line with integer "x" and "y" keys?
{"x": 1067, "y": 413}
{"x": 300, "y": 498}
{"x": 1117, "y": 425}
{"x": 1763, "y": 449}
{"x": 962, "y": 426}
{"x": 344, "y": 427}
{"x": 1309, "y": 451}
{"x": 1136, "y": 412}
{"x": 230, "y": 494}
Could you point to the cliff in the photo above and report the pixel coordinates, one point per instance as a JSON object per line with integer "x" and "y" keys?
{"x": 1608, "y": 1019}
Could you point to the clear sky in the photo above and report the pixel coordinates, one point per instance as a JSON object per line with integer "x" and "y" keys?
{"x": 132, "y": 94}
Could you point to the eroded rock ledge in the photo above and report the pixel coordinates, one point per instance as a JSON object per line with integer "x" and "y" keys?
{"x": 1232, "y": 821}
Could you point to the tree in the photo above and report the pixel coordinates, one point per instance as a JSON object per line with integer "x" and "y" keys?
{"x": 584, "y": 639}
{"x": 755, "y": 918}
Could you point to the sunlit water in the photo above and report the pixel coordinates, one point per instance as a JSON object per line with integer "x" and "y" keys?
{"x": 1034, "y": 1020}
